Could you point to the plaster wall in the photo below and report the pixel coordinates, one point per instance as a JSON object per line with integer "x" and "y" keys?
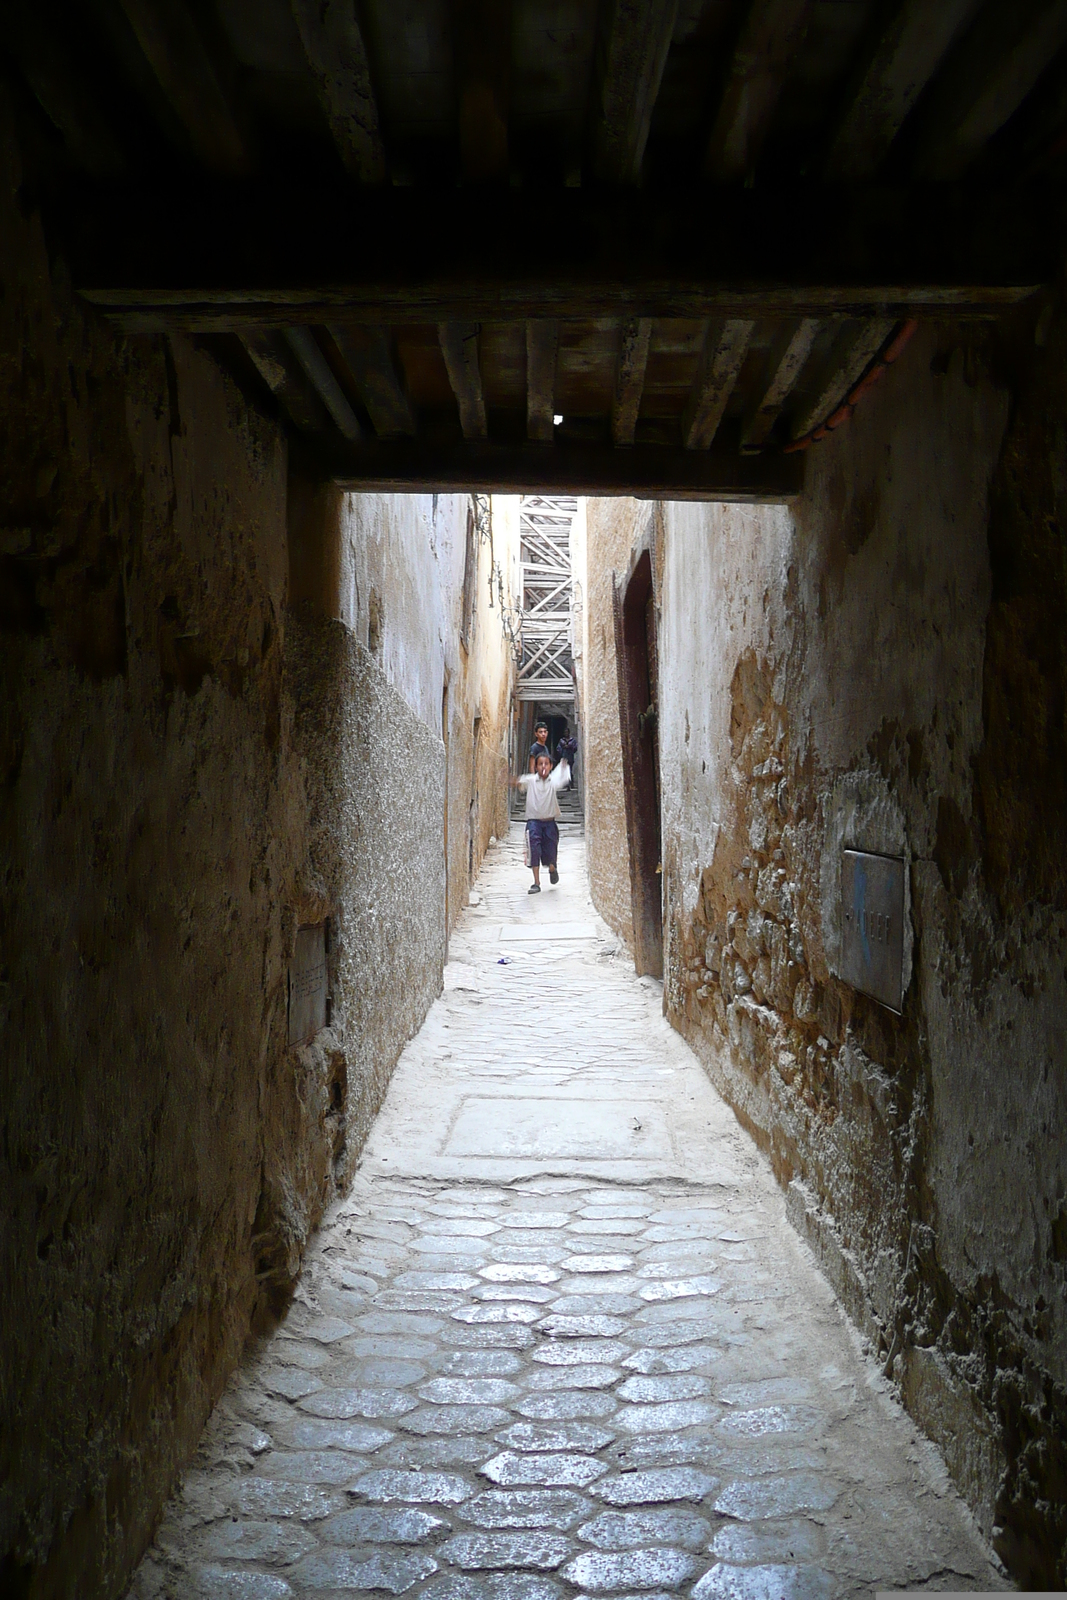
{"x": 403, "y": 593}
{"x": 612, "y": 529}
{"x": 880, "y": 668}
{"x": 197, "y": 755}
{"x": 431, "y": 622}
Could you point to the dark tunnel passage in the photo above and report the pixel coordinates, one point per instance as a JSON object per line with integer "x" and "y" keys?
{"x": 376, "y": 382}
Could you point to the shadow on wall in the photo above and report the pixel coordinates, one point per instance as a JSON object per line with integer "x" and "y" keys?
{"x": 191, "y": 768}
{"x": 883, "y": 670}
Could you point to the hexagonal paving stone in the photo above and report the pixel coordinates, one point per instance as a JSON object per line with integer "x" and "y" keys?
{"x": 491, "y": 1586}
{"x": 469, "y": 1391}
{"x": 657, "y": 1485}
{"x": 379, "y": 1525}
{"x": 343, "y": 1403}
{"x": 460, "y": 1227}
{"x": 392, "y": 1571}
{"x": 751, "y": 1542}
{"x": 249, "y": 1539}
{"x": 550, "y": 1470}
{"x": 579, "y": 1352}
{"x": 519, "y": 1311}
{"x": 565, "y": 1435}
{"x": 454, "y": 1419}
{"x": 723, "y": 1582}
{"x": 488, "y": 1550}
{"x": 434, "y": 1488}
{"x": 683, "y": 1358}
{"x": 600, "y": 1572}
{"x": 565, "y": 1404}
{"x": 313, "y": 1466}
{"x": 308, "y": 1433}
{"x": 579, "y": 1375}
{"x": 526, "y": 1508}
{"x": 289, "y": 1383}
{"x": 679, "y": 1387}
{"x": 519, "y": 1272}
{"x": 582, "y": 1327}
{"x": 601, "y": 1263}
{"x": 629, "y": 1530}
{"x": 266, "y": 1497}
{"x": 663, "y": 1418}
{"x": 223, "y": 1583}
{"x": 482, "y": 1363}
{"x": 777, "y": 1497}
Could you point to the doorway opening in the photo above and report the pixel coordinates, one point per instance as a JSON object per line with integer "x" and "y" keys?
{"x": 636, "y": 663}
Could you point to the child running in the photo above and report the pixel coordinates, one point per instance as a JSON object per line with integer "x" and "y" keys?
{"x": 542, "y": 815}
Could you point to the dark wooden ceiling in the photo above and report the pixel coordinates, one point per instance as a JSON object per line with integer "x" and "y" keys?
{"x": 593, "y": 245}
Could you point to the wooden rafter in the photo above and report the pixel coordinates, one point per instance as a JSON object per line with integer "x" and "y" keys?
{"x": 765, "y": 52}
{"x": 633, "y": 55}
{"x": 459, "y": 346}
{"x": 337, "y": 56}
{"x": 393, "y": 257}
{"x": 901, "y": 65}
{"x": 852, "y": 353}
{"x": 175, "y": 49}
{"x": 724, "y": 352}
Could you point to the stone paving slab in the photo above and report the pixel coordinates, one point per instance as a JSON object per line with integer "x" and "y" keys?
{"x": 552, "y": 1376}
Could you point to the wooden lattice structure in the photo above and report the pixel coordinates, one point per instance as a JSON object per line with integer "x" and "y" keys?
{"x": 546, "y": 670}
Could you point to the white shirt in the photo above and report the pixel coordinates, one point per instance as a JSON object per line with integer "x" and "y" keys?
{"x": 541, "y": 802}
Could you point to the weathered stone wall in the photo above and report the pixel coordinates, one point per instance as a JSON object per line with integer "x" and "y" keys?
{"x": 480, "y": 675}
{"x": 373, "y": 793}
{"x": 189, "y": 770}
{"x": 402, "y": 591}
{"x": 613, "y": 527}
{"x": 885, "y": 669}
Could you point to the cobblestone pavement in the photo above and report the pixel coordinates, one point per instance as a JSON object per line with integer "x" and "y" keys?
{"x": 559, "y": 1340}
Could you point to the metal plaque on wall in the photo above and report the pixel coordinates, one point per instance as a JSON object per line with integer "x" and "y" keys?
{"x": 308, "y": 984}
{"x": 872, "y": 925}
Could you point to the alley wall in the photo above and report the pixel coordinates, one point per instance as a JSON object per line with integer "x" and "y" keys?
{"x": 204, "y": 746}
{"x": 423, "y": 582}
{"x": 882, "y": 667}
{"x": 612, "y": 528}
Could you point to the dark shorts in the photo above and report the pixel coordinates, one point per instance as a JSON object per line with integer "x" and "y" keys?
{"x": 544, "y": 842}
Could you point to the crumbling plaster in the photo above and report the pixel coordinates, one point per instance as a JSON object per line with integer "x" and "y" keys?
{"x": 830, "y": 676}
{"x": 197, "y": 755}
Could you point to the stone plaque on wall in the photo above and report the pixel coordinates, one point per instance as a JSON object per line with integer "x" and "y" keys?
{"x": 308, "y": 984}
{"x": 872, "y": 925}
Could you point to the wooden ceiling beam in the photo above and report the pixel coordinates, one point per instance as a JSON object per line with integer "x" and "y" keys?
{"x": 632, "y": 53}
{"x": 847, "y": 360}
{"x": 542, "y": 346}
{"x": 319, "y": 374}
{"x": 724, "y": 351}
{"x": 636, "y": 334}
{"x": 273, "y": 359}
{"x": 647, "y": 471}
{"x": 902, "y": 63}
{"x": 985, "y": 82}
{"x": 251, "y": 256}
{"x": 762, "y": 59}
{"x": 330, "y": 33}
{"x": 173, "y": 46}
{"x": 784, "y": 366}
{"x": 367, "y": 354}
{"x": 38, "y": 35}
{"x": 481, "y": 42}
{"x": 459, "y": 346}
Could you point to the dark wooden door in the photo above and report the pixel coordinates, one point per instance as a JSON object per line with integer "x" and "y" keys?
{"x": 635, "y": 651}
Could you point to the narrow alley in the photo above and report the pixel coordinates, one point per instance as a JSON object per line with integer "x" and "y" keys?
{"x": 559, "y": 1338}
